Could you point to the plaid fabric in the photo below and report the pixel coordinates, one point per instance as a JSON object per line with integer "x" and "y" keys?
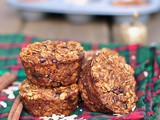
{"x": 144, "y": 59}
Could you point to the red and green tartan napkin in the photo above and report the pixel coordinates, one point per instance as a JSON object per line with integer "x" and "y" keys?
{"x": 144, "y": 59}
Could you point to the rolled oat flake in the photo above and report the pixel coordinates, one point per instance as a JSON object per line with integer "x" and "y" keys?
{"x": 7, "y": 91}
{"x": 13, "y": 88}
{"x": 11, "y": 96}
{"x": 59, "y": 117}
{"x": 3, "y": 104}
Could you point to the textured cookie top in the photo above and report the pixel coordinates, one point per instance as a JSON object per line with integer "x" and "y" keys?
{"x": 52, "y": 51}
{"x": 109, "y": 64}
{"x": 114, "y": 81}
{"x": 33, "y": 92}
{"x": 92, "y": 53}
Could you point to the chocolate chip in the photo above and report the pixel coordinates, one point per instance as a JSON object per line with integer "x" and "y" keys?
{"x": 64, "y": 47}
{"x": 115, "y": 90}
{"x": 115, "y": 98}
{"x": 45, "y": 46}
{"x": 125, "y": 105}
{"x": 35, "y": 75}
{"x": 42, "y": 60}
{"x": 121, "y": 90}
{"x": 54, "y": 61}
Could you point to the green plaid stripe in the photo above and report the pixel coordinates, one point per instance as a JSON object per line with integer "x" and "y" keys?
{"x": 142, "y": 58}
{"x": 156, "y": 84}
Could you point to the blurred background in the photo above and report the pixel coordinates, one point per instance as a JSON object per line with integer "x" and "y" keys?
{"x": 91, "y": 21}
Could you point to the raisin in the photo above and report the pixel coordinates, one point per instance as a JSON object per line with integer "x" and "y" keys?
{"x": 125, "y": 105}
{"x": 115, "y": 98}
{"x": 54, "y": 61}
{"x": 42, "y": 60}
{"x": 65, "y": 47}
{"x": 35, "y": 75}
{"x": 115, "y": 90}
{"x": 121, "y": 90}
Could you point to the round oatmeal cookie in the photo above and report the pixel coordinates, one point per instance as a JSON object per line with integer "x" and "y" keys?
{"x": 52, "y": 63}
{"x": 42, "y": 101}
{"x": 107, "y": 84}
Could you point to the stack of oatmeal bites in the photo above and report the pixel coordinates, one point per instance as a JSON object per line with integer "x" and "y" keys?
{"x": 52, "y": 69}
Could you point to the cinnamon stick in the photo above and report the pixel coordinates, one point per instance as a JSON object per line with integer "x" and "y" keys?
{"x": 18, "y": 111}
{"x": 6, "y": 79}
{"x": 14, "y": 107}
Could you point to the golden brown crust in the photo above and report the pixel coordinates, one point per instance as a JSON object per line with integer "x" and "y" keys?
{"x": 110, "y": 81}
{"x": 92, "y": 53}
{"x": 54, "y": 75}
{"x": 52, "y": 63}
{"x": 48, "y": 52}
{"x": 41, "y": 101}
{"x": 88, "y": 92}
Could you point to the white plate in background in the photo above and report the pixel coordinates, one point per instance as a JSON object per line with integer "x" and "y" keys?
{"x": 94, "y": 7}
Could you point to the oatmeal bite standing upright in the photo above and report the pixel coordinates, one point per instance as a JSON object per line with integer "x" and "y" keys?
{"x": 107, "y": 84}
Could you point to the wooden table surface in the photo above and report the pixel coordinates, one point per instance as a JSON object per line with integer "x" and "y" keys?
{"x": 56, "y": 26}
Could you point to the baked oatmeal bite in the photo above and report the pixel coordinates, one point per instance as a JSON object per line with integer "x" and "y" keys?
{"x": 52, "y": 63}
{"x": 107, "y": 84}
{"x": 45, "y": 101}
